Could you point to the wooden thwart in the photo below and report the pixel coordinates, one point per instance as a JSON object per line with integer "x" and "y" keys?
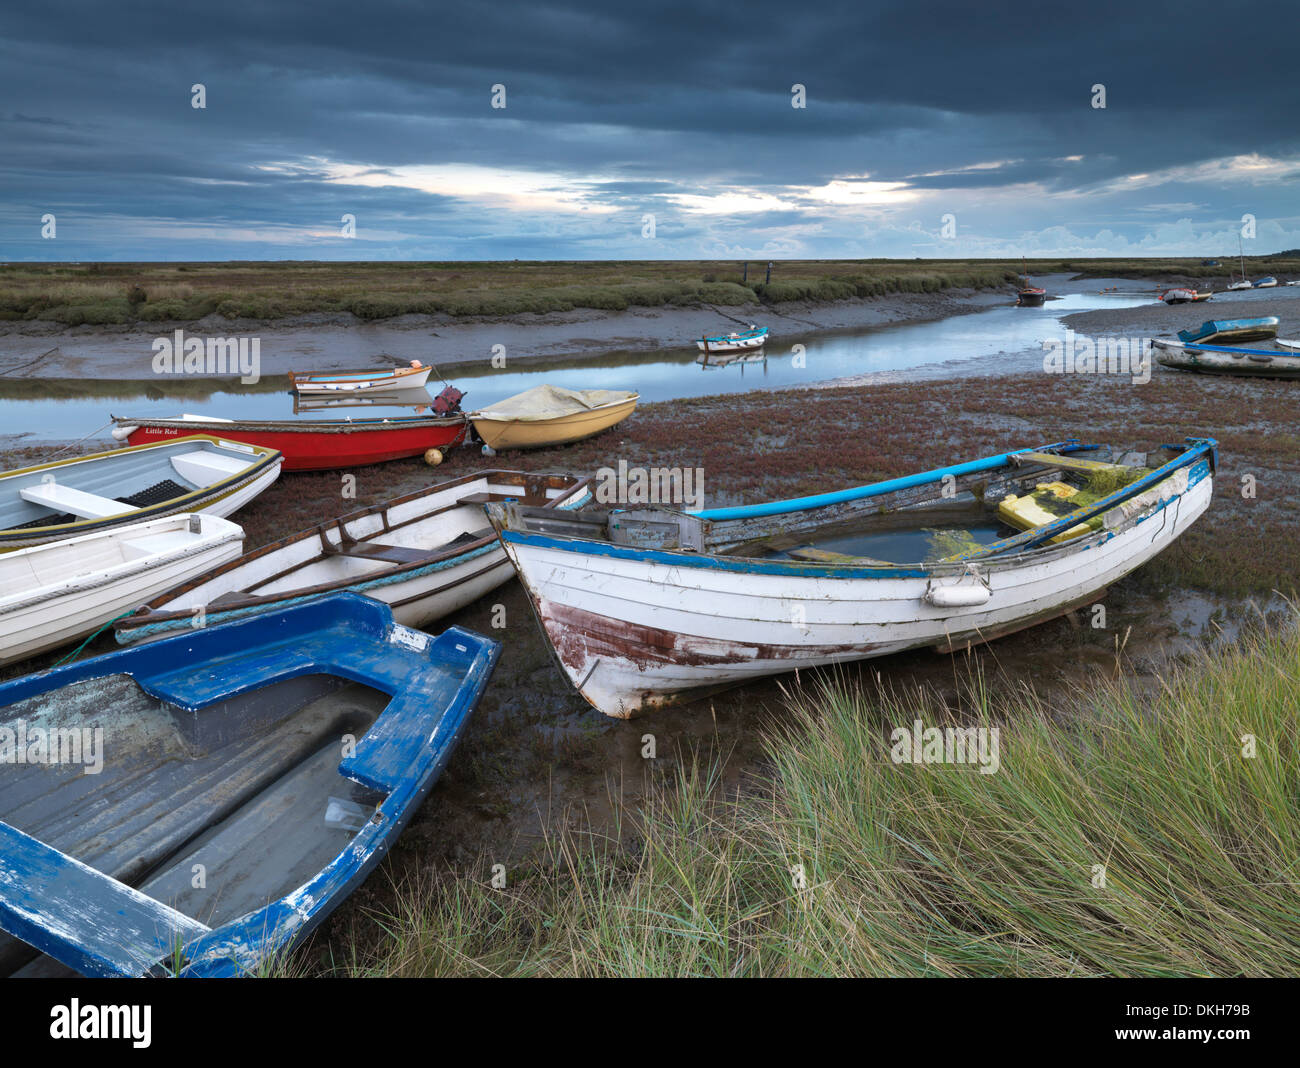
{"x": 374, "y": 550}
{"x": 1069, "y": 463}
{"x": 77, "y": 502}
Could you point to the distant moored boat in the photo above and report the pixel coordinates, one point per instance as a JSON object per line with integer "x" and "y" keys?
{"x": 375, "y": 381}
{"x": 736, "y": 341}
{"x": 1221, "y": 331}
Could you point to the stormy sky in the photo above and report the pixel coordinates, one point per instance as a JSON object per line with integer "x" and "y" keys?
{"x": 930, "y": 129}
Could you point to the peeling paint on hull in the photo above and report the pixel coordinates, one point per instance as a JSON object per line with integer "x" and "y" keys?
{"x": 637, "y": 629}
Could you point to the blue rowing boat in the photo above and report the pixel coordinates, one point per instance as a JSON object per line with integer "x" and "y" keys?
{"x": 195, "y": 805}
{"x": 1231, "y": 330}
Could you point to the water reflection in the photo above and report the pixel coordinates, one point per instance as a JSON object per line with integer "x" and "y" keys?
{"x": 1000, "y": 338}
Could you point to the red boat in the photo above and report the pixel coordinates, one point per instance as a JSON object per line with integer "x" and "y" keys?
{"x": 313, "y": 444}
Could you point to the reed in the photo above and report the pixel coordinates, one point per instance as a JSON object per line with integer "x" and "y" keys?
{"x": 1132, "y": 837}
{"x": 101, "y": 293}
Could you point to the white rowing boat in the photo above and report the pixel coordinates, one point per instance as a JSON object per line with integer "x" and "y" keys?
{"x": 1223, "y": 359}
{"x": 58, "y": 592}
{"x": 185, "y": 473}
{"x": 326, "y": 382}
{"x": 425, "y": 554}
{"x": 645, "y": 608}
{"x": 735, "y": 341}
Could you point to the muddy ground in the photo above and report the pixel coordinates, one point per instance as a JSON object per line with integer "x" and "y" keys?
{"x": 536, "y": 757}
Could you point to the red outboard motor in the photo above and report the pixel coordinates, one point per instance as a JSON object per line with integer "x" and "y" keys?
{"x": 448, "y": 401}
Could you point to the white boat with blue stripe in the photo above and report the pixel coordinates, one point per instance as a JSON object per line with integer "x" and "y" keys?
{"x": 736, "y": 341}
{"x": 425, "y": 555}
{"x": 649, "y": 607}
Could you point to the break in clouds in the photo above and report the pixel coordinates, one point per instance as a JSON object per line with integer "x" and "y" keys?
{"x": 543, "y": 130}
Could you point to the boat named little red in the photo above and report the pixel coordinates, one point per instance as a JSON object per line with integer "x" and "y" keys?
{"x": 312, "y": 444}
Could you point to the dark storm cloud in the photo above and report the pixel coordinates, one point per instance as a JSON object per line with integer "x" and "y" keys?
{"x": 630, "y": 105}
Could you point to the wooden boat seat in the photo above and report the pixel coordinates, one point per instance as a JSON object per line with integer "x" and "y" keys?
{"x": 490, "y": 498}
{"x": 204, "y": 468}
{"x": 376, "y": 550}
{"x": 400, "y": 554}
{"x": 74, "y": 501}
{"x": 1069, "y": 463}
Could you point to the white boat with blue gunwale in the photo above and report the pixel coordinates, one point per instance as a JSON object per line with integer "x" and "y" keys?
{"x": 736, "y": 341}
{"x": 648, "y": 607}
{"x": 424, "y": 554}
{"x": 1227, "y": 360}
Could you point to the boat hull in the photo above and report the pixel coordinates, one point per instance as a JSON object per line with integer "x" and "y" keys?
{"x": 502, "y": 434}
{"x": 281, "y": 755}
{"x": 1252, "y": 363}
{"x": 636, "y": 630}
{"x": 327, "y": 382}
{"x": 91, "y": 580}
{"x": 251, "y": 472}
{"x": 1231, "y": 331}
{"x": 322, "y": 448}
{"x": 1031, "y": 298}
{"x": 740, "y": 342}
{"x": 418, "y": 592}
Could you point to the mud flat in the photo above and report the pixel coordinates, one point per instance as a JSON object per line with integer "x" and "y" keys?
{"x": 1159, "y": 319}
{"x": 330, "y": 341}
{"x": 536, "y": 758}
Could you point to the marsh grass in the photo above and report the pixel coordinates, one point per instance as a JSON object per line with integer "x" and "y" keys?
{"x": 109, "y": 293}
{"x": 1129, "y": 837}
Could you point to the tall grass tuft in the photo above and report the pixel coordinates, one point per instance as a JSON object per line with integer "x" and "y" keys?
{"x": 1135, "y": 835}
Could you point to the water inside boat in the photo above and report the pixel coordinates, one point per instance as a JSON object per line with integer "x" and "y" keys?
{"x": 902, "y": 546}
{"x": 945, "y": 528}
{"x": 215, "y": 812}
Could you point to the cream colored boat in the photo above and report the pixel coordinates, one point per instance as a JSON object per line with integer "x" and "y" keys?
{"x": 551, "y": 415}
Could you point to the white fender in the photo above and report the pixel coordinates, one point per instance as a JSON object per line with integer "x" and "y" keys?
{"x": 121, "y": 433}
{"x": 958, "y": 596}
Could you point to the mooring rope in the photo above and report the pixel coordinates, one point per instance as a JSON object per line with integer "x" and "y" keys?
{"x": 77, "y": 651}
{"x": 20, "y": 366}
{"x": 78, "y": 441}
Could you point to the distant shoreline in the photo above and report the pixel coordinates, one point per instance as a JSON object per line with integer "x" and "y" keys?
{"x": 38, "y": 350}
